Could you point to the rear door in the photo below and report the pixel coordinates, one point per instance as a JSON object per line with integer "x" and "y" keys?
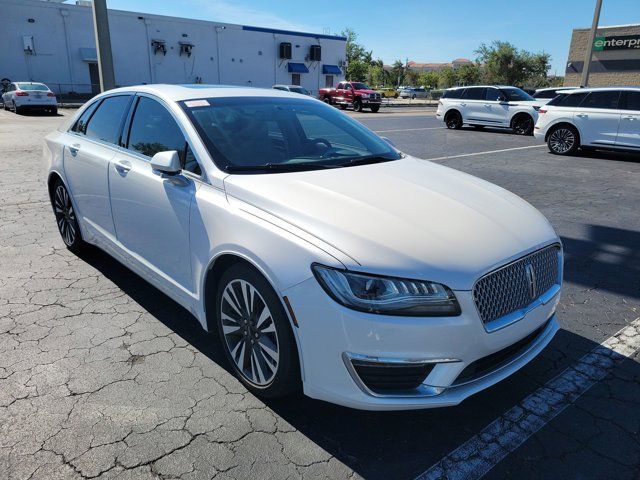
{"x": 629, "y": 128}
{"x": 473, "y": 109}
{"x": 151, "y": 209}
{"x": 90, "y": 145}
{"x": 598, "y": 117}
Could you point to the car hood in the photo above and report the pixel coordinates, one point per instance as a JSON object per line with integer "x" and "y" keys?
{"x": 410, "y": 218}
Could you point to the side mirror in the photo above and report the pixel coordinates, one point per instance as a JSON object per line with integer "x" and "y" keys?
{"x": 389, "y": 141}
{"x": 166, "y": 162}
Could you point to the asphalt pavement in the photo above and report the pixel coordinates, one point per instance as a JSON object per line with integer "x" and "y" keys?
{"x": 103, "y": 376}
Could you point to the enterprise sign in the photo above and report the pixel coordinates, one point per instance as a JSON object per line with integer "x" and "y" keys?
{"x": 619, "y": 42}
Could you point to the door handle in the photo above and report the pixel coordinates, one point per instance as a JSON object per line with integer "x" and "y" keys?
{"x": 122, "y": 166}
{"x": 73, "y": 149}
{"x": 582, "y": 115}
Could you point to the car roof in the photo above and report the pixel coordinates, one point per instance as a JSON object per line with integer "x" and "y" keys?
{"x": 176, "y": 93}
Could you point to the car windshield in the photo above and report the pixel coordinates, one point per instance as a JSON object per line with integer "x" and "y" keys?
{"x": 266, "y": 135}
{"x": 33, "y": 86}
{"x": 516, "y": 95}
{"x": 360, "y": 86}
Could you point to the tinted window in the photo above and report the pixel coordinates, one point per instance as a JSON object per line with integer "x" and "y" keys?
{"x": 106, "y": 121}
{"x": 81, "y": 124}
{"x": 474, "y": 93}
{"x": 492, "y": 94}
{"x": 456, "y": 93}
{"x": 606, "y": 99}
{"x": 154, "y": 130}
{"x": 631, "y": 101}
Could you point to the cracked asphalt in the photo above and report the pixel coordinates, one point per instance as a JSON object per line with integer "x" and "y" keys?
{"x": 102, "y": 376}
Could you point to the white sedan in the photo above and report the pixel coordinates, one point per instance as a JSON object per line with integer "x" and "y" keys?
{"x": 326, "y": 259}
{"x": 19, "y": 96}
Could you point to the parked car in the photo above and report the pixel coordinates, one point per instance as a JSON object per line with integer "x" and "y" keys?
{"x": 414, "y": 93}
{"x": 292, "y": 88}
{"x": 388, "y": 92}
{"x": 546, "y": 94}
{"x": 20, "y": 96}
{"x": 282, "y": 224}
{"x": 356, "y": 94}
{"x": 603, "y": 118}
{"x": 489, "y": 105}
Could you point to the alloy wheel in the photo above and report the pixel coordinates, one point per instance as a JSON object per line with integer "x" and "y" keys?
{"x": 65, "y": 215}
{"x": 249, "y": 332}
{"x": 562, "y": 140}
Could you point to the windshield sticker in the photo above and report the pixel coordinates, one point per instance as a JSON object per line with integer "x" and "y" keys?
{"x": 196, "y": 103}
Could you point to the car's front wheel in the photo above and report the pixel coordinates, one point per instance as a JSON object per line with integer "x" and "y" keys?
{"x": 563, "y": 140}
{"x": 66, "y": 217}
{"x": 256, "y": 333}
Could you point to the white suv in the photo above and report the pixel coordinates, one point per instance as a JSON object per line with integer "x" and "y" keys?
{"x": 606, "y": 118}
{"x": 495, "y": 106}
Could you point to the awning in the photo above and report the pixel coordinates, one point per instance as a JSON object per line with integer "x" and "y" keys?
{"x": 298, "y": 68}
{"x": 88, "y": 54}
{"x": 331, "y": 70}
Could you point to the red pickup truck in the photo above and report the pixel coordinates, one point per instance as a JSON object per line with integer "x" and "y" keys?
{"x": 357, "y": 94}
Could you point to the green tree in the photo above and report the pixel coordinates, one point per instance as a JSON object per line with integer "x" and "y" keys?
{"x": 503, "y": 63}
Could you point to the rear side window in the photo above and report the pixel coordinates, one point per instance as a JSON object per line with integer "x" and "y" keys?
{"x": 456, "y": 93}
{"x": 153, "y": 130}
{"x": 474, "y": 93}
{"x": 630, "y": 101}
{"x": 107, "y": 120}
{"x": 606, "y": 99}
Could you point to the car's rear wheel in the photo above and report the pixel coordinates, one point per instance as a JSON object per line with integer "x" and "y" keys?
{"x": 522, "y": 124}
{"x": 453, "y": 120}
{"x": 66, "y": 217}
{"x": 256, "y": 333}
{"x": 375, "y": 108}
{"x": 563, "y": 140}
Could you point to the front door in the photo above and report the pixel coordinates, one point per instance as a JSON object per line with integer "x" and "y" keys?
{"x": 629, "y": 128}
{"x": 598, "y": 117}
{"x": 151, "y": 209}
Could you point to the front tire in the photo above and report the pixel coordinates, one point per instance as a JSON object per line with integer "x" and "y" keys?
{"x": 66, "y": 217}
{"x": 453, "y": 120}
{"x": 563, "y": 140}
{"x": 256, "y": 333}
{"x": 522, "y": 124}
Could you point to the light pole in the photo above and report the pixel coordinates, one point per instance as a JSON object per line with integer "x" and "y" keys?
{"x": 103, "y": 45}
{"x": 592, "y": 37}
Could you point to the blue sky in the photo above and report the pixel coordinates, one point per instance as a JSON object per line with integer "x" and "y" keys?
{"x": 423, "y": 31}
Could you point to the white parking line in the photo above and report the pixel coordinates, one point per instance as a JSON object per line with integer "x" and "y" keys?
{"x": 407, "y": 129}
{"x": 485, "y": 152}
{"x": 486, "y": 449}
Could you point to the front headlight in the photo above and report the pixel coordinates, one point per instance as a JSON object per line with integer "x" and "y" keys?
{"x": 387, "y": 295}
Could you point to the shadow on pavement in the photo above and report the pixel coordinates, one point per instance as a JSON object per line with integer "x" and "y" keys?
{"x": 377, "y": 445}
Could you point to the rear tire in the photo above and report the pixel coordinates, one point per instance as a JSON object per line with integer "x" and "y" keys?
{"x": 522, "y": 124}
{"x": 375, "y": 108}
{"x": 563, "y": 140}
{"x": 256, "y": 334}
{"x": 453, "y": 120}
{"x": 66, "y": 218}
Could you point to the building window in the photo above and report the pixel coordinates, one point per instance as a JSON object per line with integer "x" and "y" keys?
{"x": 295, "y": 79}
{"x": 328, "y": 81}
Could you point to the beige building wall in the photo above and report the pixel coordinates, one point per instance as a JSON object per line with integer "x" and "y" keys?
{"x": 577, "y": 50}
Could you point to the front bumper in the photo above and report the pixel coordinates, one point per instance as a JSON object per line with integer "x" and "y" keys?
{"x": 330, "y": 336}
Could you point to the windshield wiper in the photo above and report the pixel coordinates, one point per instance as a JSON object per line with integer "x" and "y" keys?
{"x": 277, "y": 167}
{"x": 367, "y": 160}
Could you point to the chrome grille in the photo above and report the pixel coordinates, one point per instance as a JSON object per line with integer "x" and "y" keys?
{"x": 512, "y": 288}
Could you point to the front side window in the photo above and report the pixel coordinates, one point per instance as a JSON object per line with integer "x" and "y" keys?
{"x": 516, "y": 95}
{"x": 106, "y": 122}
{"x": 283, "y": 134}
{"x": 153, "y": 129}
{"x": 606, "y": 99}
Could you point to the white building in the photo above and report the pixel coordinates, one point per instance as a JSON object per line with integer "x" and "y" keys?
{"x": 54, "y": 43}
